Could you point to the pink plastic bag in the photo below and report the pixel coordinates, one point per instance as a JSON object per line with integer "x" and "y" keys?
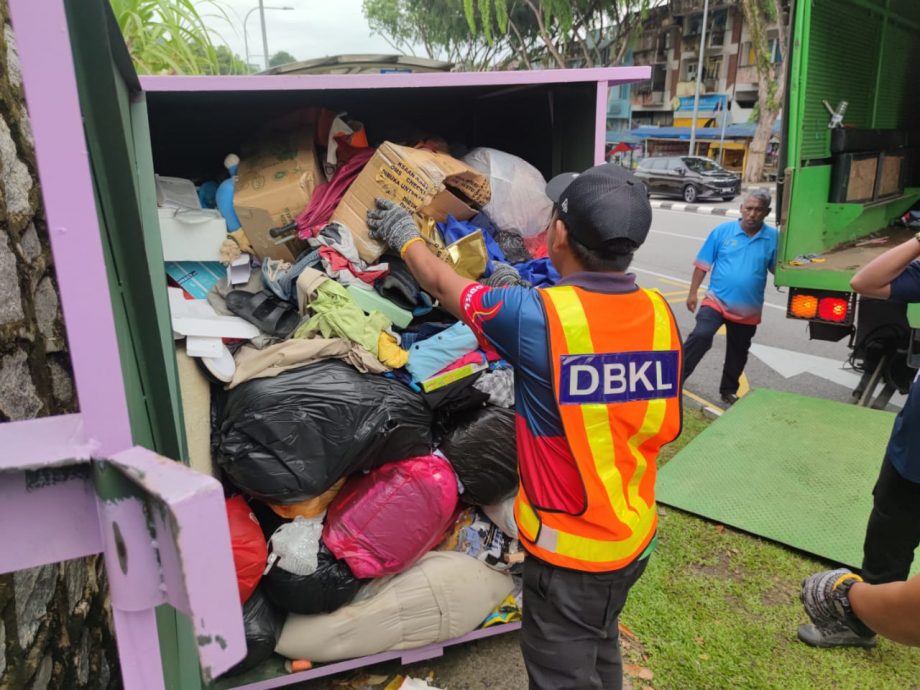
{"x": 383, "y": 522}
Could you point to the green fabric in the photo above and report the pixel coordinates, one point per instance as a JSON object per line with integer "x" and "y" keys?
{"x": 793, "y": 469}
{"x": 648, "y": 549}
{"x": 336, "y": 315}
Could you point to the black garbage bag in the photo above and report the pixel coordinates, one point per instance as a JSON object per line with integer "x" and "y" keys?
{"x": 481, "y": 448}
{"x": 262, "y": 622}
{"x": 289, "y": 438}
{"x": 329, "y": 587}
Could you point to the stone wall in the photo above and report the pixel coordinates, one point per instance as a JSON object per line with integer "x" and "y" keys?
{"x": 55, "y": 629}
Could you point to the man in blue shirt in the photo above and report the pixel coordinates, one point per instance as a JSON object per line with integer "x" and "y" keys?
{"x": 893, "y": 532}
{"x": 738, "y": 254}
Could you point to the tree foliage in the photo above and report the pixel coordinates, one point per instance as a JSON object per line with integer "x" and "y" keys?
{"x": 282, "y": 57}
{"x": 438, "y": 26}
{"x": 576, "y": 33}
{"x": 172, "y": 37}
{"x": 500, "y": 34}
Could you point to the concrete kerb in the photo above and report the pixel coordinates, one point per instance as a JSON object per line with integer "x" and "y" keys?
{"x": 705, "y": 210}
{"x": 711, "y": 210}
{"x": 707, "y": 409}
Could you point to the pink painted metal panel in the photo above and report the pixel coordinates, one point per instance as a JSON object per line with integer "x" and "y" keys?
{"x": 193, "y": 543}
{"x": 43, "y": 442}
{"x": 139, "y": 643}
{"x": 345, "y": 82}
{"x": 405, "y": 656}
{"x": 64, "y": 170}
{"x": 48, "y": 516}
{"x": 600, "y": 132}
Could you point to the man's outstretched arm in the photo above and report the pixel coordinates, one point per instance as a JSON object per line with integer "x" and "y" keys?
{"x": 874, "y": 279}
{"x": 393, "y": 224}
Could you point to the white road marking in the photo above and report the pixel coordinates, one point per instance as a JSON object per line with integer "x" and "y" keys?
{"x": 789, "y": 363}
{"x": 676, "y": 234}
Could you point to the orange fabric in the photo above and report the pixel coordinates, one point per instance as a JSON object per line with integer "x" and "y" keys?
{"x": 310, "y": 508}
{"x": 619, "y": 323}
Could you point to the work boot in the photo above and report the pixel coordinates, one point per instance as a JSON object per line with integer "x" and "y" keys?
{"x": 835, "y": 634}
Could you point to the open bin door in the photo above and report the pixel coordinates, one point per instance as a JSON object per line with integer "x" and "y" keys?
{"x": 89, "y": 121}
{"x": 161, "y": 526}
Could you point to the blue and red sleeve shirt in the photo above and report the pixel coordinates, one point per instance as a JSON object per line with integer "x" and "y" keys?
{"x": 512, "y": 321}
{"x": 904, "y": 445}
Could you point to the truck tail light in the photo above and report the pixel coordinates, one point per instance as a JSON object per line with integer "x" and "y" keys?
{"x": 833, "y": 309}
{"x": 821, "y": 305}
{"x": 803, "y": 306}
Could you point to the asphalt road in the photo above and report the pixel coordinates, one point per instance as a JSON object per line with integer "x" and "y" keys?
{"x": 814, "y": 368}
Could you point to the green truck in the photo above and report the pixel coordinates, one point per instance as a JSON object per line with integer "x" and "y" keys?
{"x": 845, "y": 182}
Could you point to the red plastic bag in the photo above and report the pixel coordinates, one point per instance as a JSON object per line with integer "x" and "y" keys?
{"x": 250, "y": 551}
{"x": 384, "y": 521}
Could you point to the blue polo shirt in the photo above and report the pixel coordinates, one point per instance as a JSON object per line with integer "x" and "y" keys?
{"x": 904, "y": 446}
{"x": 738, "y": 265}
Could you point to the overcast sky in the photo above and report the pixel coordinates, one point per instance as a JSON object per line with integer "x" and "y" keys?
{"x": 314, "y": 28}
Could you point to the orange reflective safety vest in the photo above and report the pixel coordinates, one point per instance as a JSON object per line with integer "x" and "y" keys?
{"x": 617, "y": 383}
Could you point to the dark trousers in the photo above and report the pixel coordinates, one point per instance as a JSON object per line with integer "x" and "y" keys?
{"x": 893, "y": 533}
{"x": 570, "y": 633}
{"x": 738, "y": 342}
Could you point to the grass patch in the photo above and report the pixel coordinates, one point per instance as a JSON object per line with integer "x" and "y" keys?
{"x": 719, "y": 609}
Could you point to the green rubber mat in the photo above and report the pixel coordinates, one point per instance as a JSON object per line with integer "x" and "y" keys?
{"x": 792, "y": 469}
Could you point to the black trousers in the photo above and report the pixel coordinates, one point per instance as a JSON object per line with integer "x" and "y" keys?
{"x": 738, "y": 342}
{"x": 893, "y": 533}
{"x": 570, "y": 633}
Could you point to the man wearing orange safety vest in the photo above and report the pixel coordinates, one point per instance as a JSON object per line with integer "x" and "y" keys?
{"x": 597, "y": 364}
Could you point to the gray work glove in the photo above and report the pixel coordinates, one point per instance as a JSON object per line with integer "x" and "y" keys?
{"x": 826, "y": 599}
{"x": 504, "y": 275}
{"x": 392, "y": 224}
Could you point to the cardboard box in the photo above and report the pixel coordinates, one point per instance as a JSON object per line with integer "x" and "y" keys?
{"x": 274, "y": 184}
{"x": 420, "y": 181}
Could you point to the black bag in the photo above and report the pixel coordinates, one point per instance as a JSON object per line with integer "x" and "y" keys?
{"x": 262, "y": 622}
{"x": 289, "y": 438}
{"x": 482, "y": 449}
{"x": 329, "y": 587}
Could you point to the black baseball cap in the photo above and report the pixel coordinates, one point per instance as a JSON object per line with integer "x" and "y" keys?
{"x": 604, "y": 203}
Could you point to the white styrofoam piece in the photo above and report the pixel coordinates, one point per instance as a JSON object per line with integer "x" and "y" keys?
{"x": 176, "y": 192}
{"x": 195, "y": 317}
{"x": 239, "y": 270}
{"x": 215, "y": 327}
{"x": 201, "y": 346}
{"x": 191, "y": 235}
{"x": 222, "y": 367}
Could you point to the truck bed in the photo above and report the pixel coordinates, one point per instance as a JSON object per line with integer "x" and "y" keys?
{"x": 832, "y": 270}
{"x": 851, "y": 256}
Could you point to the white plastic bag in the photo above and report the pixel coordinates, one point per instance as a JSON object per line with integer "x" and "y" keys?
{"x": 295, "y": 545}
{"x": 519, "y": 202}
{"x": 502, "y": 514}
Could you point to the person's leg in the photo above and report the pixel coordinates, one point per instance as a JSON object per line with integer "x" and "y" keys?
{"x": 893, "y": 532}
{"x": 569, "y": 636}
{"x": 738, "y": 338}
{"x": 609, "y": 662}
{"x": 697, "y": 344}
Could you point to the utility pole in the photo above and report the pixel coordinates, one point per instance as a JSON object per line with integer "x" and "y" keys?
{"x": 699, "y": 78}
{"x": 265, "y": 35}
